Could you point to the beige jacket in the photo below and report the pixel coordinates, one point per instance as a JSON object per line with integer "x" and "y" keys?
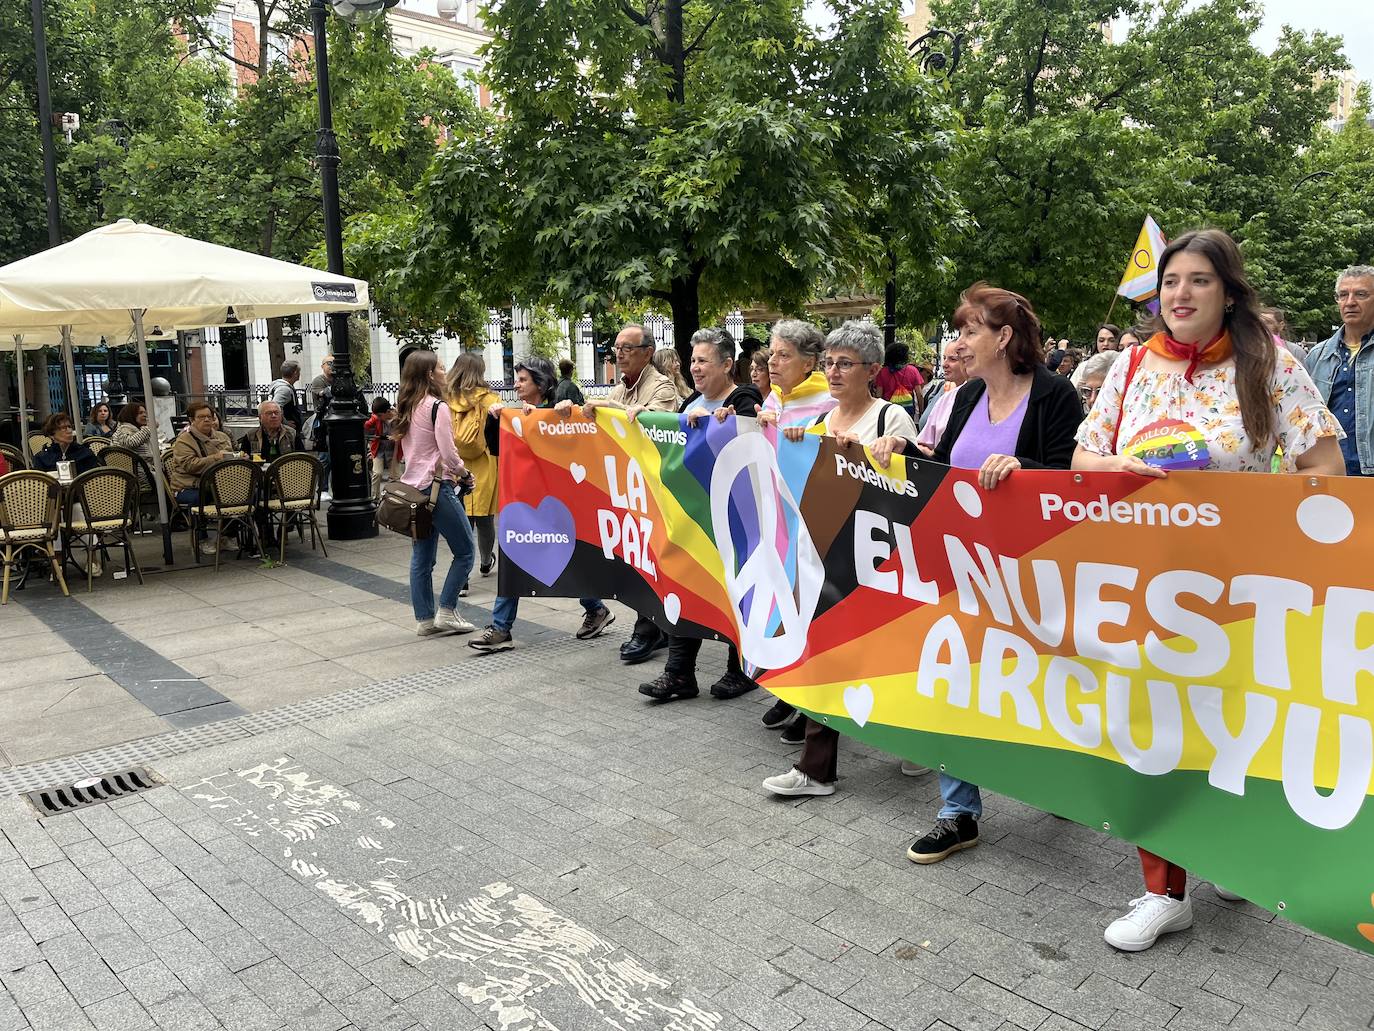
{"x": 192, "y": 454}
{"x": 652, "y": 390}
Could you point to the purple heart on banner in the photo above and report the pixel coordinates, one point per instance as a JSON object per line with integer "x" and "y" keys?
{"x": 538, "y": 540}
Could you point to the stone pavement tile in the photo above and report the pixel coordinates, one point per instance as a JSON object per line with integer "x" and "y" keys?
{"x": 34, "y": 843}
{"x": 224, "y": 634}
{"x": 238, "y": 949}
{"x": 437, "y": 1010}
{"x": 141, "y": 910}
{"x": 194, "y": 909}
{"x": 106, "y": 824}
{"x": 119, "y": 1013}
{"x": 1123, "y": 1021}
{"x": 284, "y": 992}
{"x": 255, "y": 692}
{"x": 1286, "y": 947}
{"x": 1195, "y": 1001}
{"x": 242, "y": 1012}
{"x": 372, "y": 1009}
{"x": 393, "y": 975}
{"x": 957, "y": 1010}
{"x": 20, "y": 889}
{"x": 152, "y": 982}
{"x": 331, "y": 976}
{"x": 819, "y": 1011}
{"x": 48, "y": 922}
{"x": 1082, "y": 1007}
{"x": 43, "y": 671}
{"x": 759, "y": 1011}
{"x": 69, "y": 887}
{"x": 11, "y": 1019}
{"x": 17, "y": 950}
{"x": 65, "y": 830}
{"x": 1346, "y": 1002}
{"x": 1258, "y": 999}
{"x": 32, "y": 984}
{"x": 110, "y": 936}
{"x": 82, "y": 972}
{"x": 56, "y": 1013}
{"x": 240, "y": 663}
{"x": 1016, "y": 1008}
{"x": 35, "y": 739}
{"x": 183, "y": 1013}
{"x": 1144, "y": 1006}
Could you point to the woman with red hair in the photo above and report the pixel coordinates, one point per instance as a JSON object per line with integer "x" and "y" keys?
{"x": 1013, "y": 413}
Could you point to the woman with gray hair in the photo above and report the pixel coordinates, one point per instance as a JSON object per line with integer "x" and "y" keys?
{"x": 800, "y": 394}
{"x": 853, "y": 355}
{"x": 1090, "y": 376}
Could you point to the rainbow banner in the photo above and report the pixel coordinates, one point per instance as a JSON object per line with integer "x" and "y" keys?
{"x": 1187, "y": 663}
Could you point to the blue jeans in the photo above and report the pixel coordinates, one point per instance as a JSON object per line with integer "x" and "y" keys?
{"x": 189, "y": 496}
{"x": 451, "y": 523}
{"x": 503, "y": 612}
{"x": 961, "y": 798}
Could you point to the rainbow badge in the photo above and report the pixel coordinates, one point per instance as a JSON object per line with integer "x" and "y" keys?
{"x": 1169, "y": 444}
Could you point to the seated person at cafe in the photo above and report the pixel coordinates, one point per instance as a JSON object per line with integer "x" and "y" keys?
{"x": 64, "y": 447}
{"x": 196, "y": 449}
{"x": 272, "y": 438}
{"x": 132, "y": 430}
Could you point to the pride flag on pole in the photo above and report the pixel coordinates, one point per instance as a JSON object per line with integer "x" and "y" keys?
{"x": 1142, "y": 272}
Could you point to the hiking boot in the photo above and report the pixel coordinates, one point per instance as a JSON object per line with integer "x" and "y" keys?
{"x": 732, "y": 685}
{"x": 493, "y": 640}
{"x": 794, "y": 782}
{"x": 951, "y": 834}
{"x": 1151, "y": 915}
{"x": 779, "y": 714}
{"x": 667, "y": 686}
{"x": 593, "y": 623}
{"x": 795, "y": 732}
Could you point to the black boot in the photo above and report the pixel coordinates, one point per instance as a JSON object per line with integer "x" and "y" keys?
{"x": 640, "y": 647}
{"x": 732, "y": 685}
{"x": 667, "y": 686}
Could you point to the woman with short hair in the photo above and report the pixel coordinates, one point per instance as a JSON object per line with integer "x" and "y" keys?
{"x": 758, "y": 371}
{"x": 1214, "y": 368}
{"x": 424, "y": 427}
{"x": 1108, "y": 338}
{"x": 64, "y": 447}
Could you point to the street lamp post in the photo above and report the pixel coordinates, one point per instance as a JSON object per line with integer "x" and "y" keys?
{"x": 352, "y": 513}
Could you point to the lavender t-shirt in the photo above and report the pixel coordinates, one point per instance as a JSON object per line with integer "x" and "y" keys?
{"x": 981, "y": 438}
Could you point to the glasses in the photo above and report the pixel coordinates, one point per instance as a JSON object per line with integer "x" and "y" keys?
{"x": 1089, "y": 394}
{"x": 1356, "y": 295}
{"x": 840, "y": 364}
{"x": 627, "y": 348}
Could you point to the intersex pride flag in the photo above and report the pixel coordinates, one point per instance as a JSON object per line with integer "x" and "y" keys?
{"x": 1187, "y": 664}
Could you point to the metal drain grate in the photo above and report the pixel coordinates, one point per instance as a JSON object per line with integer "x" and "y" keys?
{"x": 91, "y": 791}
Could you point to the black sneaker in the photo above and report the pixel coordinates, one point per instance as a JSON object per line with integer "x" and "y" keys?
{"x": 488, "y": 564}
{"x": 667, "y": 686}
{"x": 949, "y": 836}
{"x": 595, "y": 622}
{"x": 795, "y": 732}
{"x": 779, "y": 714}
{"x": 732, "y": 685}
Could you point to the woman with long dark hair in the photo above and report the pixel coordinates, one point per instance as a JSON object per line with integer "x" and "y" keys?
{"x": 425, "y": 428}
{"x": 1214, "y": 368}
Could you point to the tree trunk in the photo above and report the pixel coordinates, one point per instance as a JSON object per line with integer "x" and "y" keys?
{"x": 276, "y": 347}
{"x": 685, "y": 302}
{"x": 674, "y": 54}
{"x": 41, "y": 398}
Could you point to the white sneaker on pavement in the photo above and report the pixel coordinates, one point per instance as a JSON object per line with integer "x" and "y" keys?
{"x": 911, "y": 769}
{"x": 430, "y": 628}
{"x": 1151, "y": 915}
{"x": 1229, "y": 896}
{"x": 794, "y": 782}
{"x": 448, "y": 619}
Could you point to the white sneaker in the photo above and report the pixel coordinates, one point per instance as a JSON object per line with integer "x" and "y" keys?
{"x": 794, "y": 782}
{"x": 447, "y": 619}
{"x": 430, "y": 628}
{"x": 210, "y": 545}
{"x": 1229, "y": 896}
{"x": 1151, "y": 915}
{"x": 911, "y": 769}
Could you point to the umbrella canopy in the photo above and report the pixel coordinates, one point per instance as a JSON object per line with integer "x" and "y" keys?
{"x": 95, "y": 281}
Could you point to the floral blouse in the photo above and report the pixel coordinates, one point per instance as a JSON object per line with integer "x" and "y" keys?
{"x": 1171, "y": 423}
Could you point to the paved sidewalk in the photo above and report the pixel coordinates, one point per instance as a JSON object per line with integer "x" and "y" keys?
{"x": 523, "y": 842}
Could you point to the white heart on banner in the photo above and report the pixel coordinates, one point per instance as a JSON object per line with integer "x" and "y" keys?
{"x": 672, "y": 608}
{"x": 858, "y": 702}
{"x": 517, "y": 426}
{"x": 579, "y": 472}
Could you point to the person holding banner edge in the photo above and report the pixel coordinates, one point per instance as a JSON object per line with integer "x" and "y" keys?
{"x": 1013, "y": 413}
{"x": 717, "y": 396}
{"x": 799, "y": 396}
{"x": 854, "y": 354}
{"x": 1215, "y": 374}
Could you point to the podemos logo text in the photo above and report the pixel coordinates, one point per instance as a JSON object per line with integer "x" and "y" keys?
{"x": 1140, "y": 513}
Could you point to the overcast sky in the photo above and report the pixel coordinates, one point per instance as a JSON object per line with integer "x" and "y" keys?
{"x": 1353, "y": 19}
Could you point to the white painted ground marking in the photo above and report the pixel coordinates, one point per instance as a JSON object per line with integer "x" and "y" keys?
{"x": 516, "y": 946}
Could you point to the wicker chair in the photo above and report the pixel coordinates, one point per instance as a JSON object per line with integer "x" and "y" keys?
{"x": 131, "y": 462}
{"x": 29, "y": 503}
{"x": 102, "y": 504}
{"x": 37, "y": 442}
{"x": 293, "y": 481}
{"x": 97, "y": 444}
{"x": 14, "y": 458}
{"x": 228, "y": 497}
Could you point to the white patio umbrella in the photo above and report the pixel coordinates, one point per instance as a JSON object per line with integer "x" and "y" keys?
{"x": 112, "y": 279}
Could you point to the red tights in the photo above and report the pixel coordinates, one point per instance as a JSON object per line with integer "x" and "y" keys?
{"x": 1161, "y": 876}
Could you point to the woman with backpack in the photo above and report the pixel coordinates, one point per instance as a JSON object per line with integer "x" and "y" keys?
{"x": 425, "y": 429}
{"x": 899, "y": 381}
{"x": 1214, "y": 373}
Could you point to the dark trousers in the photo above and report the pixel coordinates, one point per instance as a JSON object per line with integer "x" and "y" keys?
{"x": 683, "y": 652}
{"x": 821, "y": 753}
{"x": 645, "y": 627}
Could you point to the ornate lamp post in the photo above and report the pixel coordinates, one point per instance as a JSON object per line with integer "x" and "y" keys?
{"x": 352, "y": 512}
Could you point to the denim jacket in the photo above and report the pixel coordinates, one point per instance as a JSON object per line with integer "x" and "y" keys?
{"x": 1324, "y": 362}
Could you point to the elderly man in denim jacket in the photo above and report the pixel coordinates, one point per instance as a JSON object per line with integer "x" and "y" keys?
{"x": 1343, "y": 368}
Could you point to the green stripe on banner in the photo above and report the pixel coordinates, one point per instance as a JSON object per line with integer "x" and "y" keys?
{"x": 1161, "y": 813}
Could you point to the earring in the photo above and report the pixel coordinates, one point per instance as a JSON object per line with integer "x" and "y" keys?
{"x": 1230, "y": 307}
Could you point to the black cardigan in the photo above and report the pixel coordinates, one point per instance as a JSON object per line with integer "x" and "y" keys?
{"x": 1053, "y": 412}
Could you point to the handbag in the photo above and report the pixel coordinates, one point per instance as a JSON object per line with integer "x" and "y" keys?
{"x": 408, "y": 510}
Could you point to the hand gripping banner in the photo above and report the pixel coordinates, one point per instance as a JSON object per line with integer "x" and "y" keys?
{"x": 1185, "y": 663}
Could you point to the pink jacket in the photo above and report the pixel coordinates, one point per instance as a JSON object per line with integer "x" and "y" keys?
{"x": 428, "y": 443}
